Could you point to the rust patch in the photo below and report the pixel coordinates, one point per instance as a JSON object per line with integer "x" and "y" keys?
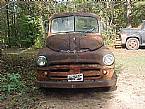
{"x": 60, "y": 72}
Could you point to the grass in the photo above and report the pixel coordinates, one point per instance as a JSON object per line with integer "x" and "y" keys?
{"x": 128, "y": 59}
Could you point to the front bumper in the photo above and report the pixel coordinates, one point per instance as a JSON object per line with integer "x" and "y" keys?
{"x": 86, "y": 84}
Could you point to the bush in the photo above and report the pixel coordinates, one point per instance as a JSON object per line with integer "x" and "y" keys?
{"x": 11, "y": 83}
{"x": 109, "y": 36}
{"x": 17, "y": 74}
{"x": 25, "y": 32}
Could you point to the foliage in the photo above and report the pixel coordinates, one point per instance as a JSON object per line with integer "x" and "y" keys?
{"x": 20, "y": 26}
{"x": 138, "y": 14}
{"x": 29, "y": 30}
{"x": 17, "y": 74}
{"x": 109, "y": 35}
{"x": 38, "y": 41}
{"x": 119, "y": 17}
{"x": 25, "y": 19}
{"x": 11, "y": 83}
{"x": 26, "y": 32}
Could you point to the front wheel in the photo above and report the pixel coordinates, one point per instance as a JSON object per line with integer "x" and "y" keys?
{"x": 132, "y": 44}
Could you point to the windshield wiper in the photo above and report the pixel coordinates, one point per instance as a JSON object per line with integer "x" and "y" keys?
{"x": 65, "y": 32}
{"x": 90, "y": 30}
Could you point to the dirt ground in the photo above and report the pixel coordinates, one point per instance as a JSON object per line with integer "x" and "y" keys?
{"x": 130, "y": 93}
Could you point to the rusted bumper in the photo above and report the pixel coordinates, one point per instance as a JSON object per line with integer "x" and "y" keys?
{"x": 86, "y": 84}
{"x": 93, "y": 76}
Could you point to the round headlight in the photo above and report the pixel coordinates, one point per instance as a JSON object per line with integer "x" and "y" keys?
{"x": 41, "y": 61}
{"x": 108, "y": 59}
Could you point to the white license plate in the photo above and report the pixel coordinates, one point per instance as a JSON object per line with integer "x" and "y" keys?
{"x": 75, "y": 77}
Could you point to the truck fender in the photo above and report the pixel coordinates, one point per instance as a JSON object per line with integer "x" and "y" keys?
{"x": 135, "y": 36}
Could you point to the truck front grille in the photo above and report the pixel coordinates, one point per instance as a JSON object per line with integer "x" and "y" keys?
{"x": 60, "y": 72}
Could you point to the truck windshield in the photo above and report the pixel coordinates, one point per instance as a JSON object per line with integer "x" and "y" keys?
{"x": 74, "y": 24}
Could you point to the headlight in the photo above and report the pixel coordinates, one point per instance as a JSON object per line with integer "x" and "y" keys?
{"x": 41, "y": 61}
{"x": 108, "y": 59}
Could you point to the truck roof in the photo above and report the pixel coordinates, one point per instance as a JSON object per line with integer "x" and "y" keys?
{"x": 74, "y": 14}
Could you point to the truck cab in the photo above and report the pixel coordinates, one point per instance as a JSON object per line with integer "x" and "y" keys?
{"x": 75, "y": 55}
{"x": 133, "y": 38}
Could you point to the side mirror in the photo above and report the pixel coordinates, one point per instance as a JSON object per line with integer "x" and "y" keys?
{"x": 46, "y": 26}
{"x": 102, "y": 27}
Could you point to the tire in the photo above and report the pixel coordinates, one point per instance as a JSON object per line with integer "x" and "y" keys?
{"x": 132, "y": 44}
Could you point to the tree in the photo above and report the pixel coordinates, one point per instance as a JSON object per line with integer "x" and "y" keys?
{"x": 20, "y": 17}
{"x": 129, "y": 8}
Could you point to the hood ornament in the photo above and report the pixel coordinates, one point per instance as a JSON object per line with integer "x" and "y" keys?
{"x": 74, "y": 38}
{"x": 74, "y": 51}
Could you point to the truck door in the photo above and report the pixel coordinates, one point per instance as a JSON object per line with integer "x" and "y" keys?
{"x": 143, "y": 33}
{"x": 143, "y": 36}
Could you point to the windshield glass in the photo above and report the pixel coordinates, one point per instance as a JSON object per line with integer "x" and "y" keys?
{"x": 74, "y": 24}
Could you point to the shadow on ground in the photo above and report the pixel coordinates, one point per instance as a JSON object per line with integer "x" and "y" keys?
{"x": 71, "y": 94}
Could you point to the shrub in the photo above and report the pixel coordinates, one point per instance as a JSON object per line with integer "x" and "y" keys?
{"x": 17, "y": 74}
{"x": 11, "y": 83}
{"x": 109, "y": 36}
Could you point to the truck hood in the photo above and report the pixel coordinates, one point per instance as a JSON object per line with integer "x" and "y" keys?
{"x": 78, "y": 42}
{"x": 129, "y": 30}
{"x": 58, "y": 58}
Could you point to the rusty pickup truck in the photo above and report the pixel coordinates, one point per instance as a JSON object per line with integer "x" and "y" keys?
{"x": 75, "y": 55}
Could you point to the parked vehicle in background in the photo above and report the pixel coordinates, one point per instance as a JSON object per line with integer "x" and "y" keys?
{"x": 133, "y": 38}
{"x": 75, "y": 55}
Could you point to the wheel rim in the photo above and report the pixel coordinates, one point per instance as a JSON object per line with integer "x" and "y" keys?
{"x": 133, "y": 44}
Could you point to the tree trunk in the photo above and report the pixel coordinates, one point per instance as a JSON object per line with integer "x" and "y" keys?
{"x": 8, "y": 23}
{"x": 129, "y": 13}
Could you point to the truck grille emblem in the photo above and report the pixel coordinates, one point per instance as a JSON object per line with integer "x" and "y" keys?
{"x": 74, "y": 38}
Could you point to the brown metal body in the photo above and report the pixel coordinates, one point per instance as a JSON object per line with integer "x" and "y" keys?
{"x": 83, "y": 55}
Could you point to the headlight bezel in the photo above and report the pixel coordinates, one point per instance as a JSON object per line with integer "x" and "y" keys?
{"x": 108, "y": 59}
{"x": 41, "y": 60}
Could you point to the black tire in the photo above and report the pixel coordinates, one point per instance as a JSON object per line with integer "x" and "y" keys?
{"x": 132, "y": 44}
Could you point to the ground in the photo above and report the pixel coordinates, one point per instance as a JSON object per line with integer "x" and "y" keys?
{"x": 130, "y": 92}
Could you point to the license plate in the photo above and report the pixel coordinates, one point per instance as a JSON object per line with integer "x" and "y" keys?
{"x": 75, "y": 77}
